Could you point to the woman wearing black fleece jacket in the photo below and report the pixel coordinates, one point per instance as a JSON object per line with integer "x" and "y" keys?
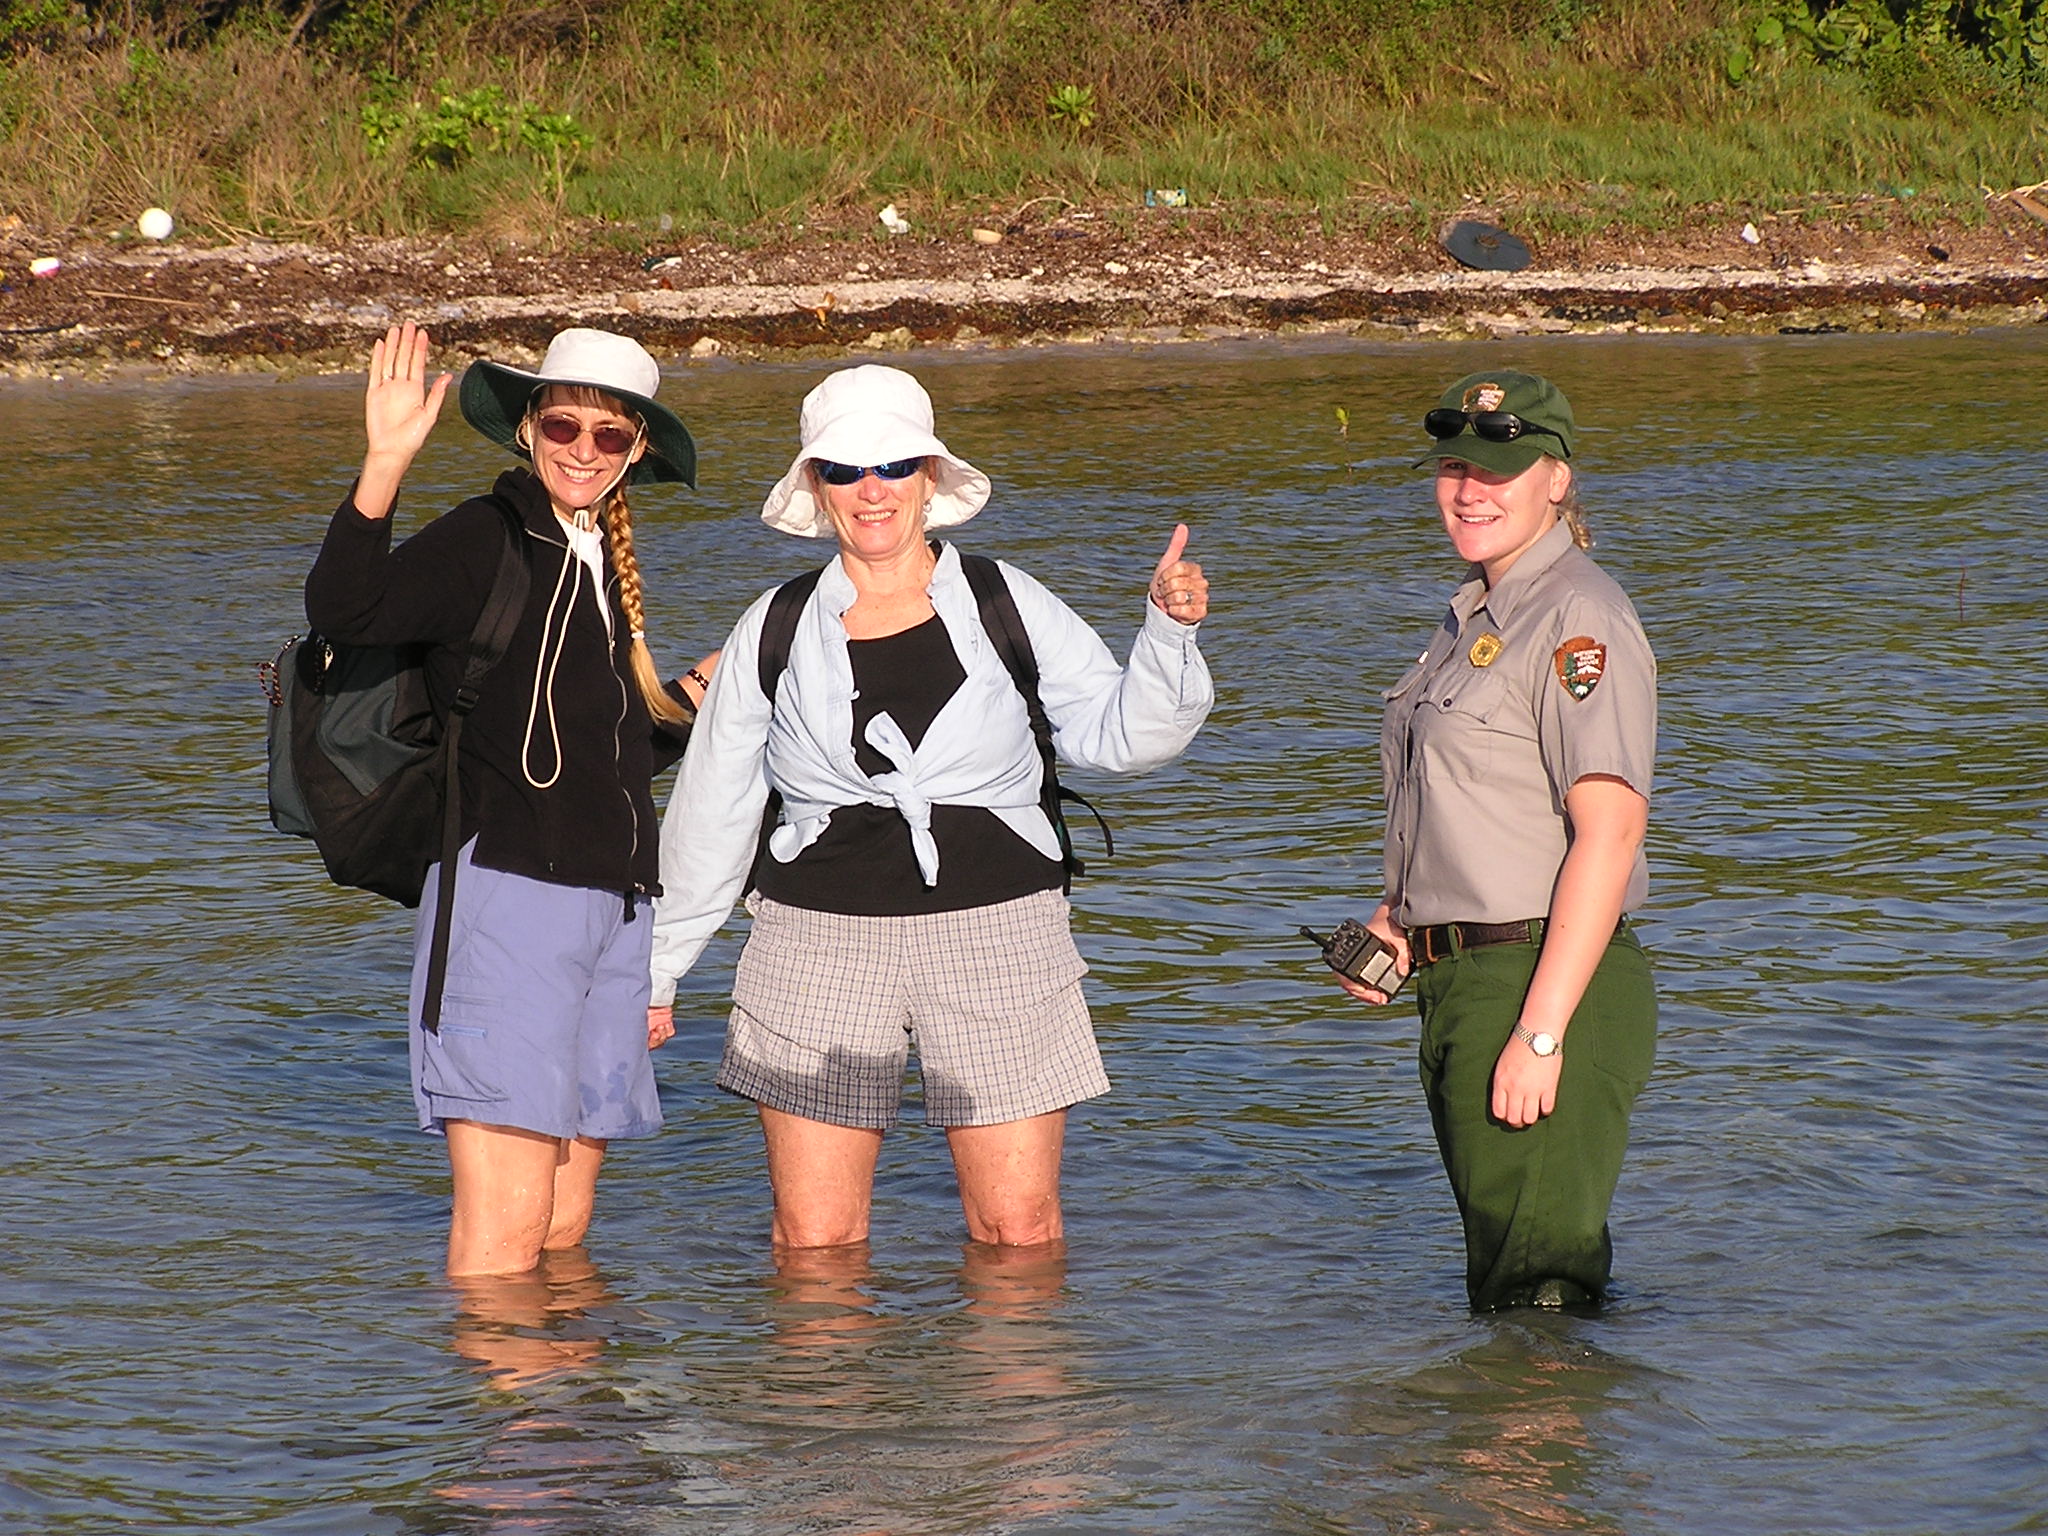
{"x": 541, "y": 1055}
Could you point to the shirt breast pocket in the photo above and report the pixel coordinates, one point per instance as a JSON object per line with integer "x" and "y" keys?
{"x": 1458, "y": 723}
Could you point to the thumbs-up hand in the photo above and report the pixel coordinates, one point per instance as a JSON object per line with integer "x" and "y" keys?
{"x": 1179, "y": 588}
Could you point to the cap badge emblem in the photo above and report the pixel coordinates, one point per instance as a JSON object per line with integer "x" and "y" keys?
{"x": 1484, "y": 397}
{"x": 1485, "y": 650}
{"x": 1581, "y": 662}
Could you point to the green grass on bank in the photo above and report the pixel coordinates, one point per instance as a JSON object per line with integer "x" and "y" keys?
{"x": 335, "y": 118}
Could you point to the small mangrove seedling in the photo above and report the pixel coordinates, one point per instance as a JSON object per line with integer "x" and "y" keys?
{"x": 1073, "y": 105}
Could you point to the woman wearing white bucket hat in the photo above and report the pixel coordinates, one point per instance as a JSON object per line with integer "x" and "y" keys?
{"x": 914, "y": 887}
{"x": 540, "y": 1053}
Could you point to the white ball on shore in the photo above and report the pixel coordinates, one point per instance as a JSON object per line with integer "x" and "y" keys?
{"x": 155, "y": 224}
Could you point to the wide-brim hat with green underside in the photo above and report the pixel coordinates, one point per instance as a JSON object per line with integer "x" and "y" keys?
{"x": 495, "y": 398}
{"x": 1502, "y": 421}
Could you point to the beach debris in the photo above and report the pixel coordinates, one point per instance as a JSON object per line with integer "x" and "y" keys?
{"x": 1938, "y": 252}
{"x": 988, "y": 236}
{"x": 141, "y": 298}
{"x": 822, "y": 308}
{"x": 660, "y": 263}
{"x": 1010, "y": 225}
{"x": 1343, "y": 422}
{"x": 706, "y": 346}
{"x": 1750, "y": 235}
{"x": 2023, "y": 197}
{"x": 155, "y": 224}
{"x": 1166, "y": 197}
{"x": 45, "y": 266}
{"x": 893, "y": 221}
{"x": 1483, "y": 247}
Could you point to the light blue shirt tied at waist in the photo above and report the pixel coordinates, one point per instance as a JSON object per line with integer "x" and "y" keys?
{"x": 978, "y": 750}
{"x": 916, "y": 782}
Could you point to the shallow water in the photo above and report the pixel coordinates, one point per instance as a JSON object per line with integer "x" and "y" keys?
{"x": 222, "y": 1310}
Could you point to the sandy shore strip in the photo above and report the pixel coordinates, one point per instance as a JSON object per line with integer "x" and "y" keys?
{"x": 116, "y": 309}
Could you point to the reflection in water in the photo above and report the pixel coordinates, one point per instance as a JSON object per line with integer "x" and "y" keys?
{"x": 522, "y": 1333}
{"x": 522, "y": 1330}
{"x": 1505, "y": 1436}
{"x": 1838, "y": 1169}
{"x": 1016, "y": 1360}
{"x": 863, "y": 1414}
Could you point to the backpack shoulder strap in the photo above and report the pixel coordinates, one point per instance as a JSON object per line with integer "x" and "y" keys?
{"x": 488, "y": 643}
{"x": 778, "y": 630}
{"x": 778, "y": 634}
{"x": 492, "y": 636}
{"x": 1005, "y": 626}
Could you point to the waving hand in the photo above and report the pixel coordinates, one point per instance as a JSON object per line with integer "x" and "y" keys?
{"x": 399, "y": 410}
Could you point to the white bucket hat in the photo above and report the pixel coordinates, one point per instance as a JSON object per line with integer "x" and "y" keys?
{"x": 871, "y": 415}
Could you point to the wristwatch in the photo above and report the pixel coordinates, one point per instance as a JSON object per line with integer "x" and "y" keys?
{"x": 1542, "y": 1045}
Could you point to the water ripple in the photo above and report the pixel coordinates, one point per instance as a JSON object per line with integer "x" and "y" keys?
{"x": 223, "y": 1309}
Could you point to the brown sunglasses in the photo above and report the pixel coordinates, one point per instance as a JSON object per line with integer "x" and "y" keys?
{"x": 608, "y": 439}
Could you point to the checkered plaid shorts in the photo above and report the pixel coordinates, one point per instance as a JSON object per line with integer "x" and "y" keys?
{"x": 826, "y": 1007}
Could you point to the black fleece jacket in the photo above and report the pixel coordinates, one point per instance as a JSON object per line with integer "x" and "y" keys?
{"x": 559, "y": 755}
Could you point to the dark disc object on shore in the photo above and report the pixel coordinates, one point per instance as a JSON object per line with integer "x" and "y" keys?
{"x": 1484, "y": 247}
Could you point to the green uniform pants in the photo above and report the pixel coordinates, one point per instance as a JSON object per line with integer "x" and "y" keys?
{"x": 1534, "y": 1201}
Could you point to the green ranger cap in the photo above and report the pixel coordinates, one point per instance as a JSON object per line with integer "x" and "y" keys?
{"x": 1501, "y": 421}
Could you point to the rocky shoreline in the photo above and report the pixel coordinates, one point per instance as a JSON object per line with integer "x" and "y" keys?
{"x": 118, "y": 307}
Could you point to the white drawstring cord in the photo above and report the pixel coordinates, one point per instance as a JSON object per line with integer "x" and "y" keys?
{"x": 546, "y": 664}
{"x": 586, "y": 520}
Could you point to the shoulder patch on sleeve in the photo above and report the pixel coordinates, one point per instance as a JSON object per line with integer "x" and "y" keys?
{"x": 1580, "y": 662}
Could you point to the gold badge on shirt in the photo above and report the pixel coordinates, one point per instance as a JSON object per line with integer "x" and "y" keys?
{"x": 1581, "y": 662}
{"x": 1485, "y": 651}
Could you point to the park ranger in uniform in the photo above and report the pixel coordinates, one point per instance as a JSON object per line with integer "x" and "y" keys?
{"x": 1517, "y": 755}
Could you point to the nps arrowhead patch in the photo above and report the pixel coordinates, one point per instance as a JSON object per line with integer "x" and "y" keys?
{"x": 1580, "y": 662}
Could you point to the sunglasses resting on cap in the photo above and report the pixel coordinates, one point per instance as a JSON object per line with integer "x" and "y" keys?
{"x": 1493, "y": 426}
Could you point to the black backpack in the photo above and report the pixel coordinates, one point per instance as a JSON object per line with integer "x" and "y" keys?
{"x": 360, "y": 763}
{"x": 1005, "y": 626}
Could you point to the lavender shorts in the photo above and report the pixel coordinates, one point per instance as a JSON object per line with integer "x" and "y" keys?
{"x": 544, "y": 1015}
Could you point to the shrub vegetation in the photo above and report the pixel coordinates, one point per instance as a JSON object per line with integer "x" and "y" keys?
{"x": 330, "y": 118}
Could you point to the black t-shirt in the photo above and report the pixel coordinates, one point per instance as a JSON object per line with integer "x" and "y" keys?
{"x": 863, "y": 863}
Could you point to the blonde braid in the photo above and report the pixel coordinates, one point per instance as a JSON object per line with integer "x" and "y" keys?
{"x": 1574, "y": 515}
{"x": 618, "y": 524}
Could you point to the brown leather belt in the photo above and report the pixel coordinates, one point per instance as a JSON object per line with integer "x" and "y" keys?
{"x": 1426, "y": 946}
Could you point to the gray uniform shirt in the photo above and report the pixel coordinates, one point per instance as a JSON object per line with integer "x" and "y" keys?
{"x": 1523, "y": 691}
